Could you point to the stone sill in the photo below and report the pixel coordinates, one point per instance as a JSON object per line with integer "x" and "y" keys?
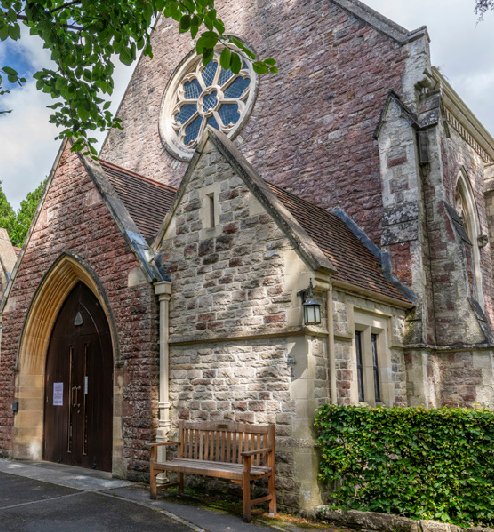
{"x": 250, "y": 334}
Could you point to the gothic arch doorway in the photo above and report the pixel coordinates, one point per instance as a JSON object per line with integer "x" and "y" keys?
{"x": 78, "y": 398}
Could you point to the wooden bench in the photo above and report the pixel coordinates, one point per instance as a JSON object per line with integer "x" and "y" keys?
{"x": 234, "y": 451}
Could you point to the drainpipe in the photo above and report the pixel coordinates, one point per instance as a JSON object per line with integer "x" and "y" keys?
{"x": 163, "y": 290}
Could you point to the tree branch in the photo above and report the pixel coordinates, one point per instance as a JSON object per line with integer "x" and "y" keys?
{"x": 63, "y": 6}
{"x": 68, "y": 26}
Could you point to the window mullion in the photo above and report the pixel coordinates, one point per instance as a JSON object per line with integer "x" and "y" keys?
{"x": 368, "y": 374}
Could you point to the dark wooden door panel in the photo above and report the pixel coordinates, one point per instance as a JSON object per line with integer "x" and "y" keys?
{"x": 78, "y": 418}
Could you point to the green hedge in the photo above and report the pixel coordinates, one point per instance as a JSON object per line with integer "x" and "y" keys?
{"x": 424, "y": 464}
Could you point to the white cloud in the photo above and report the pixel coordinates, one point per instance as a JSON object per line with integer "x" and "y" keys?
{"x": 32, "y": 48}
{"x": 27, "y": 145}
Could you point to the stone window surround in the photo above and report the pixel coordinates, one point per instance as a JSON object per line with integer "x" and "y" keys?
{"x": 187, "y": 66}
{"x": 368, "y": 324}
{"x": 205, "y": 194}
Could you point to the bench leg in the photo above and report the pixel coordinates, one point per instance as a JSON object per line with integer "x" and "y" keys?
{"x": 246, "y": 497}
{"x": 152, "y": 482}
{"x": 181, "y": 483}
{"x": 272, "y": 492}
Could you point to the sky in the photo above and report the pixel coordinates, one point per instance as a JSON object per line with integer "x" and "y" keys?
{"x": 461, "y": 47}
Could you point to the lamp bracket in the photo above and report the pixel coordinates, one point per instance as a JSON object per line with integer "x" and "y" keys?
{"x": 307, "y": 292}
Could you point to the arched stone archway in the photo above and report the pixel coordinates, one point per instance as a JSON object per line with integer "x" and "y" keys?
{"x": 51, "y": 294}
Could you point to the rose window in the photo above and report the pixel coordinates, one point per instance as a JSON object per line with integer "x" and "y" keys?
{"x": 205, "y": 96}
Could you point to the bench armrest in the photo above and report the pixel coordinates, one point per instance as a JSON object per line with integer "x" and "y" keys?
{"x": 257, "y": 451}
{"x": 168, "y": 443}
{"x": 154, "y": 448}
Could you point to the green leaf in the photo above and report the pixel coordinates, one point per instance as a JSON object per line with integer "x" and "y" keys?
{"x": 207, "y": 40}
{"x": 125, "y": 56}
{"x": 260, "y": 67}
{"x": 10, "y": 71}
{"x": 15, "y": 32}
{"x": 4, "y": 31}
{"x": 189, "y": 5}
{"x": 235, "y": 63}
{"x": 225, "y": 58}
{"x": 207, "y": 56}
{"x": 219, "y": 26}
{"x": 184, "y": 24}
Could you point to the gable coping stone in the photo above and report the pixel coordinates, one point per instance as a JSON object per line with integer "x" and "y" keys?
{"x": 380, "y": 22}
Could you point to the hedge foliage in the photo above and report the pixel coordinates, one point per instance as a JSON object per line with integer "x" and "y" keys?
{"x": 424, "y": 464}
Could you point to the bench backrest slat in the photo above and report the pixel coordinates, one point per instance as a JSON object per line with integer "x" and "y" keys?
{"x": 223, "y": 441}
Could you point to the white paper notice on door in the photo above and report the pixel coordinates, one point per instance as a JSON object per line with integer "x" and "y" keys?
{"x": 58, "y": 394}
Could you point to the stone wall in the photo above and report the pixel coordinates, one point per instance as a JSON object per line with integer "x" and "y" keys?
{"x": 238, "y": 348}
{"x": 75, "y": 221}
{"x": 312, "y": 126}
{"x": 460, "y": 377}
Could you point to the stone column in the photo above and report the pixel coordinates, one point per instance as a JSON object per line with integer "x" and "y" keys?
{"x": 163, "y": 290}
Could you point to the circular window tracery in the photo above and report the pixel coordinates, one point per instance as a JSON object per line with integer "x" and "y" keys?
{"x": 201, "y": 96}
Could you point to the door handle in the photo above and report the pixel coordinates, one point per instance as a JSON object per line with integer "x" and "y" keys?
{"x": 75, "y": 390}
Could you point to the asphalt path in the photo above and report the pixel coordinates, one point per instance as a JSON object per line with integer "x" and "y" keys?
{"x": 28, "y": 505}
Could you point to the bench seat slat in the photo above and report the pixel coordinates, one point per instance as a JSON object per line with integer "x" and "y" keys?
{"x": 210, "y": 468}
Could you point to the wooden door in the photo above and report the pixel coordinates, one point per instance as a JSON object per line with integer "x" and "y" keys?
{"x": 78, "y": 414}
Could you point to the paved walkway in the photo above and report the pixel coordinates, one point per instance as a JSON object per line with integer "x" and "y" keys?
{"x": 41, "y": 496}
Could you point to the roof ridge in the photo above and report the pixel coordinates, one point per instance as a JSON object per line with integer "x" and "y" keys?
{"x": 150, "y": 180}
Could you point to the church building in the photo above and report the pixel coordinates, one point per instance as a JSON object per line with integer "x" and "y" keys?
{"x": 249, "y": 248}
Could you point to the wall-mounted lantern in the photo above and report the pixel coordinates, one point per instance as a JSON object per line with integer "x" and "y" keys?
{"x": 312, "y": 307}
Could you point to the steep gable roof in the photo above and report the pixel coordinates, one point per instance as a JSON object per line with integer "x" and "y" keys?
{"x": 122, "y": 218}
{"x": 129, "y": 229}
{"x": 354, "y": 263}
{"x": 301, "y": 241}
{"x": 147, "y": 200}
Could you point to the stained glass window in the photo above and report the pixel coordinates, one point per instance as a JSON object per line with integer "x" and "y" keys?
{"x": 205, "y": 96}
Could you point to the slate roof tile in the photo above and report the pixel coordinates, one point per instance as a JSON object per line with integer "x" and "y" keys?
{"x": 147, "y": 200}
{"x": 355, "y": 263}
